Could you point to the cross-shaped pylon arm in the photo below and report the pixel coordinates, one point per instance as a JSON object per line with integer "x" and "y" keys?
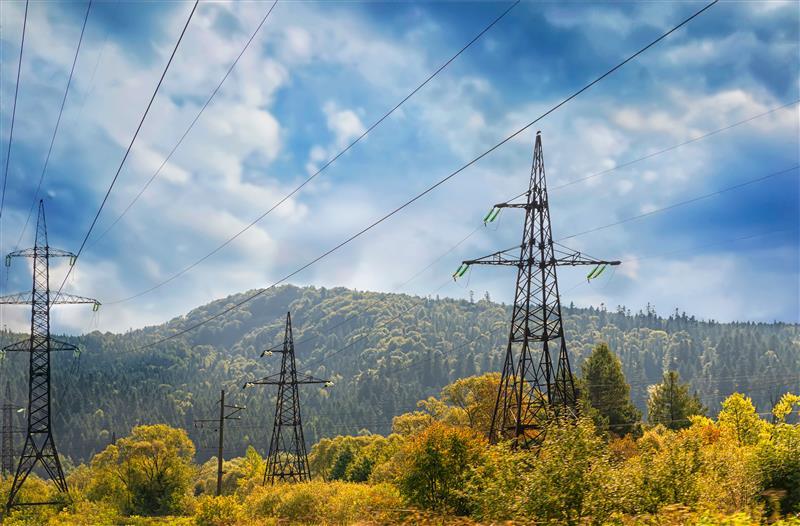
{"x": 562, "y": 258}
{"x": 25, "y": 346}
{"x": 501, "y": 257}
{"x": 275, "y": 379}
{"x": 29, "y": 253}
{"x": 24, "y": 298}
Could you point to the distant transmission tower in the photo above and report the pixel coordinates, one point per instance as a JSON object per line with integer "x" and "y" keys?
{"x": 39, "y": 445}
{"x": 531, "y": 393}
{"x": 7, "y": 453}
{"x": 287, "y": 460}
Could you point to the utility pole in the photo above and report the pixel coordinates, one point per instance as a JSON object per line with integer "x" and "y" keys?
{"x": 221, "y": 429}
{"x": 39, "y": 444}
{"x": 287, "y": 460}
{"x": 532, "y": 394}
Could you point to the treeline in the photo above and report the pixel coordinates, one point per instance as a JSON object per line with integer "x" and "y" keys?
{"x": 683, "y": 466}
{"x": 383, "y": 352}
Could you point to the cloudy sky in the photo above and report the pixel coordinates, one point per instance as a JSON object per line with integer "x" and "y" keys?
{"x": 318, "y": 74}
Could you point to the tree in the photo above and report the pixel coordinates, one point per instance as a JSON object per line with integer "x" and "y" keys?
{"x": 671, "y": 404}
{"x": 147, "y": 473}
{"x": 608, "y": 393}
{"x": 475, "y": 399}
{"x": 437, "y": 464}
{"x": 739, "y": 416}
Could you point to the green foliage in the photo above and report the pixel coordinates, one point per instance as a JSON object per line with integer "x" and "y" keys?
{"x": 401, "y": 349}
{"x": 437, "y": 464}
{"x": 779, "y": 461}
{"x": 739, "y": 416}
{"x": 319, "y": 502}
{"x": 218, "y": 511}
{"x": 608, "y": 393}
{"x": 147, "y": 473}
{"x": 670, "y": 403}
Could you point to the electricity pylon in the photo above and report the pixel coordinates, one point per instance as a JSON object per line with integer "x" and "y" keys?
{"x": 223, "y": 416}
{"x": 287, "y": 460}
{"x": 532, "y": 394}
{"x": 39, "y": 444}
{"x": 7, "y": 453}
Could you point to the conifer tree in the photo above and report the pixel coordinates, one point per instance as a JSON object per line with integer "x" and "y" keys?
{"x": 671, "y": 404}
{"x": 607, "y": 392}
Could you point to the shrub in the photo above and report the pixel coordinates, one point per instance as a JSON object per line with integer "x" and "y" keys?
{"x": 218, "y": 511}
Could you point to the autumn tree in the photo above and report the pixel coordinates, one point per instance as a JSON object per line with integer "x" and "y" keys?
{"x": 671, "y": 404}
{"x": 147, "y": 473}
{"x": 608, "y": 393}
{"x": 473, "y": 399}
{"x": 436, "y": 466}
{"x": 739, "y": 416}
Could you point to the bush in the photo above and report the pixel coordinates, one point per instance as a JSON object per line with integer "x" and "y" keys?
{"x": 436, "y": 465}
{"x": 319, "y": 502}
{"x": 218, "y": 511}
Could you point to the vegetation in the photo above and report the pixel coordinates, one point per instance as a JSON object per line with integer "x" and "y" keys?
{"x": 437, "y": 467}
{"x": 384, "y": 352}
{"x": 411, "y": 406}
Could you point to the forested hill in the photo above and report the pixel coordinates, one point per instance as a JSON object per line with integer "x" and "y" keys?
{"x": 383, "y": 351}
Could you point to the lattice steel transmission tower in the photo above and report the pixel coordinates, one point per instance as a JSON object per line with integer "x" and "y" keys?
{"x": 39, "y": 447}
{"x": 7, "y": 453}
{"x": 533, "y": 393}
{"x": 287, "y": 460}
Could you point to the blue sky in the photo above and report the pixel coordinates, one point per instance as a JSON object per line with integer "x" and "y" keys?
{"x": 318, "y": 74}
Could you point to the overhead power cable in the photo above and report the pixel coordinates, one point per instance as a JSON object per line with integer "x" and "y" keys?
{"x": 188, "y": 129}
{"x": 128, "y": 150}
{"x": 481, "y": 225}
{"x": 686, "y": 202}
{"x": 321, "y": 169}
{"x": 13, "y": 114}
{"x": 664, "y": 150}
{"x": 430, "y": 188}
{"x": 55, "y": 130}
{"x": 675, "y": 146}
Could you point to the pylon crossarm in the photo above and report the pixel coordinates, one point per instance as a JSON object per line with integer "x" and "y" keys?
{"x": 58, "y": 345}
{"x": 565, "y": 256}
{"x": 19, "y": 298}
{"x": 29, "y": 253}
{"x": 512, "y": 205}
{"x": 20, "y": 346}
{"x": 25, "y": 298}
{"x": 577, "y": 259}
{"x": 502, "y": 257}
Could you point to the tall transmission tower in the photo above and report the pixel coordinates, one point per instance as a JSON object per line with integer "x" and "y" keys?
{"x": 40, "y": 448}
{"x": 533, "y": 393}
{"x": 287, "y": 460}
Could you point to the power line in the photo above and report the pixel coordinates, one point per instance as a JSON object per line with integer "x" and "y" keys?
{"x": 682, "y": 203}
{"x": 55, "y": 130}
{"x": 448, "y": 353}
{"x": 13, "y": 112}
{"x": 189, "y": 128}
{"x": 628, "y": 163}
{"x": 128, "y": 150}
{"x": 674, "y": 146}
{"x": 427, "y": 190}
{"x": 320, "y": 170}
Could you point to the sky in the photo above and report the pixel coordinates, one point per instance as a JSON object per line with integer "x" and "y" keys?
{"x": 318, "y": 74}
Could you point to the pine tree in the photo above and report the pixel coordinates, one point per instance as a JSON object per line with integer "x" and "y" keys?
{"x": 608, "y": 393}
{"x": 671, "y": 404}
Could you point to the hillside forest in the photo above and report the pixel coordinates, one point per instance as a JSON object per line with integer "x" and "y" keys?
{"x": 384, "y": 352}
